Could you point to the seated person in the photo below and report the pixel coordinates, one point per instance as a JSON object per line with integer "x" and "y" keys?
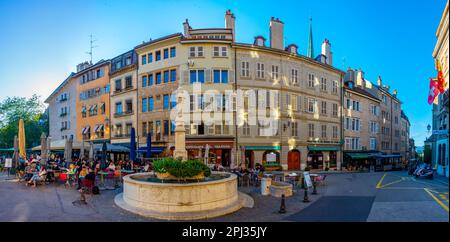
{"x": 38, "y": 177}
{"x": 111, "y": 166}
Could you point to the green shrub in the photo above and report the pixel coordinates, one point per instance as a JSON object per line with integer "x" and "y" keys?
{"x": 178, "y": 168}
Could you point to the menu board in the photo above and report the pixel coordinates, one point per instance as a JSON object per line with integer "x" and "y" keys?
{"x": 272, "y": 157}
{"x": 307, "y": 179}
{"x": 8, "y": 163}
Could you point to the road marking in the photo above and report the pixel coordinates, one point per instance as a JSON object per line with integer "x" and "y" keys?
{"x": 437, "y": 199}
{"x": 391, "y": 183}
{"x": 381, "y": 180}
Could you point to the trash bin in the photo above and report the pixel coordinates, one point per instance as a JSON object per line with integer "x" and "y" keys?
{"x": 265, "y": 185}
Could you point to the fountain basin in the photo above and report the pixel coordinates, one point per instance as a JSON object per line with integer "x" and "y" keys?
{"x": 213, "y": 197}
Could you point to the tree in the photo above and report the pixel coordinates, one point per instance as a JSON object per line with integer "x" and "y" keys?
{"x": 31, "y": 110}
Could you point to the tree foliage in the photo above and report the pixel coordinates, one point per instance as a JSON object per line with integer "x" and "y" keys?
{"x": 31, "y": 110}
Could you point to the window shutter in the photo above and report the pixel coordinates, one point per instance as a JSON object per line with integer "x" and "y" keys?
{"x": 185, "y": 77}
{"x": 208, "y": 75}
{"x": 305, "y": 107}
{"x": 299, "y": 103}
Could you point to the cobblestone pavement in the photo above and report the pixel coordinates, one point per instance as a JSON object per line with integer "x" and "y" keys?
{"x": 398, "y": 198}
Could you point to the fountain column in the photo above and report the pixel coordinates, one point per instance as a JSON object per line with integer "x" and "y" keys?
{"x": 180, "y": 135}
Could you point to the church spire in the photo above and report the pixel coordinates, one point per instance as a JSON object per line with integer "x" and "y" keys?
{"x": 310, "y": 53}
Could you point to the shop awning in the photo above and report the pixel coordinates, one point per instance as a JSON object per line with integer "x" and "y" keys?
{"x": 155, "y": 150}
{"x": 262, "y": 148}
{"x": 322, "y": 148}
{"x": 359, "y": 155}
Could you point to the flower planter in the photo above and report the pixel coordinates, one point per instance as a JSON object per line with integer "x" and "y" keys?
{"x": 168, "y": 176}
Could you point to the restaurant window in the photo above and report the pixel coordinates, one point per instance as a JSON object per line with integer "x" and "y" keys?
{"x": 150, "y": 58}
{"x": 158, "y": 55}
{"x": 173, "y": 52}
{"x": 166, "y": 53}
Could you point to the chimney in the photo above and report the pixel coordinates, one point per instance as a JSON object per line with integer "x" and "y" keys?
{"x": 326, "y": 51}
{"x": 360, "y": 78}
{"x": 186, "y": 28}
{"x": 394, "y": 93}
{"x": 276, "y": 34}
{"x": 379, "y": 82}
{"x": 230, "y": 22}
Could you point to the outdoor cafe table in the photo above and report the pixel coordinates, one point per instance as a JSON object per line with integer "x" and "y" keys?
{"x": 102, "y": 179}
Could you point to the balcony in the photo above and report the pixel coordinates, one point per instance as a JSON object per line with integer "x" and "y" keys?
{"x": 123, "y": 114}
{"x": 63, "y": 99}
{"x": 63, "y": 128}
{"x": 118, "y": 91}
{"x": 63, "y": 114}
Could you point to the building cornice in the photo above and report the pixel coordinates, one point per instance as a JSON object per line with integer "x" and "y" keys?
{"x": 361, "y": 94}
{"x": 152, "y": 42}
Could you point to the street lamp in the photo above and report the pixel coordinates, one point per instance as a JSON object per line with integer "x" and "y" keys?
{"x": 428, "y": 128}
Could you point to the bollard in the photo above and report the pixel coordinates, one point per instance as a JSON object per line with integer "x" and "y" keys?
{"x": 314, "y": 189}
{"x": 283, "y": 205}
{"x": 305, "y": 198}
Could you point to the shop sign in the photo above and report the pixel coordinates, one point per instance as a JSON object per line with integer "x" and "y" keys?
{"x": 8, "y": 163}
{"x": 272, "y": 157}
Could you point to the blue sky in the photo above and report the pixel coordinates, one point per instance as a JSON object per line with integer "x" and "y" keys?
{"x": 41, "y": 41}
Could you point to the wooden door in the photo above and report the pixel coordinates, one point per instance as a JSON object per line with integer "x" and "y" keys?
{"x": 294, "y": 160}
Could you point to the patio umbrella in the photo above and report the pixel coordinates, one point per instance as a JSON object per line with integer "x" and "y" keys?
{"x": 91, "y": 152}
{"x": 133, "y": 145}
{"x": 103, "y": 162}
{"x": 206, "y": 153}
{"x": 16, "y": 151}
{"x": 149, "y": 146}
{"x": 22, "y": 151}
{"x": 43, "y": 149}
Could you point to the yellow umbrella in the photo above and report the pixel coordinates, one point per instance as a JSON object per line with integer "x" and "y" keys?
{"x": 22, "y": 151}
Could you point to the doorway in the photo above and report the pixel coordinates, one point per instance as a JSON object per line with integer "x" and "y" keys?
{"x": 294, "y": 160}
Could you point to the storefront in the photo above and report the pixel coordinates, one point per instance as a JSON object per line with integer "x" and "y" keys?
{"x": 320, "y": 158}
{"x": 214, "y": 150}
{"x": 269, "y": 156}
{"x": 359, "y": 160}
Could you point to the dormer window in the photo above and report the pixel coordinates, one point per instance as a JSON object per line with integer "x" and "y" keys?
{"x": 259, "y": 41}
{"x": 292, "y": 48}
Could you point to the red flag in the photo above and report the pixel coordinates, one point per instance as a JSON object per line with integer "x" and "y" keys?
{"x": 440, "y": 78}
{"x": 434, "y": 92}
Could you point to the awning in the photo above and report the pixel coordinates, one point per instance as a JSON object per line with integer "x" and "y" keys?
{"x": 262, "y": 147}
{"x": 86, "y": 129}
{"x": 322, "y": 148}
{"x": 155, "y": 150}
{"x": 101, "y": 127}
{"x": 358, "y": 155}
{"x": 83, "y": 109}
{"x": 96, "y": 128}
{"x": 389, "y": 156}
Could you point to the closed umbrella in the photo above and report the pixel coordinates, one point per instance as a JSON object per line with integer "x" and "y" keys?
{"x": 206, "y": 153}
{"x": 16, "y": 151}
{"x": 103, "y": 162}
{"x": 22, "y": 150}
{"x": 43, "y": 149}
{"x": 149, "y": 146}
{"x": 133, "y": 145}
{"x": 66, "y": 148}
{"x": 91, "y": 152}
{"x": 69, "y": 150}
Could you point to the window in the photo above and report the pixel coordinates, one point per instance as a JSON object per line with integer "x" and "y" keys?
{"x": 374, "y": 110}
{"x": 166, "y": 76}
{"x": 348, "y": 143}
{"x": 311, "y": 105}
{"x": 144, "y": 59}
{"x": 150, "y": 79}
{"x": 144, "y": 129}
{"x": 150, "y": 58}
{"x": 224, "y": 51}
{"x": 129, "y": 106}
{"x": 324, "y": 131}
{"x": 192, "y": 52}
{"x": 349, "y": 104}
{"x": 294, "y": 130}
{"x": 324, "y": 107}
{"x": 173, "y": 101}
{"x": 311, "y": 130}
{"x": 166, "y": 127}
{"x": 158, "y": 55}
{"x": 102, "y": 108}
{"x": 166, "y": 101}
{"x": 173, "y": 75}
{"x": 118, "y": 85}
{"x": 246, "y": 129}
{"x": 294, "y": 102}
{"x": 373, "y": 143}
{"x": 335, "y": 110}
{"x": 158, "y": 78}
{"x": 197, "y": 76}
{"x": 119, "y": 108}
{"x": 173, "y": 52}
{"x": 373, "y": 127}
{"x": 260, "y": 70}
{"x": 166, "y": 53}
{"x": 245, "y": 69}
{"x": 200, "y": 51}
{"x": 294, "y": 76}
{"x": 144, "y": 104}
{"x": 144, "y": 81}
{"x": 384, "y": 98}
{"x": 335, "y": 87}
{"x": 128, "y": 82}
{"x": 323, "y": 84}
{"x": 220, "y": 76}
{"x": 172, "y": 127}
{"x": 216, "y": 51}
{"x": 150, "y": 127}
{"x": 311, "y": 80}
{"x": 335, "y": 132}
{"x": 274, "y": 72}
{"x": 150, "y": 104}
